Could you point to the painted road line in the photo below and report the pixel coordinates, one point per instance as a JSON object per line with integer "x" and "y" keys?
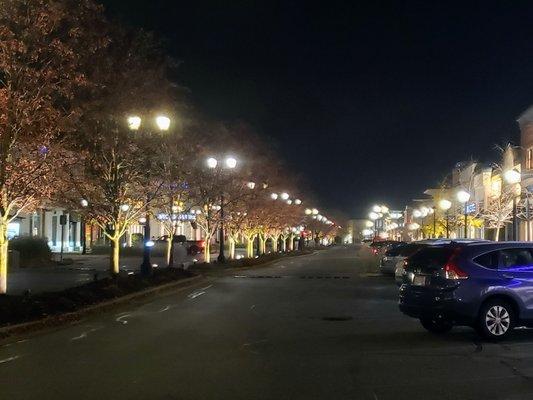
{"x": 6, "y": 360}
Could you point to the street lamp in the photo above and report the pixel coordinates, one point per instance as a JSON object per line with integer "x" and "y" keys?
{"x": 274, "y": 196}
{"x": 445, "y": 205}
{"x": 284, "y": 196}
{"x": 463, "y": 196}
{"x": 308, "y": 211}
{"x": 512, "y": 177}
{"x": 163, "y": 124}
{"x": 229, "y": 163}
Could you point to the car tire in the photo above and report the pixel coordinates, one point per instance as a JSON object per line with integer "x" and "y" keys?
{"x": 436, "y": 324}
{"x": 496, "y": 319}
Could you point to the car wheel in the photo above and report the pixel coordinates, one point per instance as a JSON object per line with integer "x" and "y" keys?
{"x": 496, "y": 319}
{"x": 436, "y": 324}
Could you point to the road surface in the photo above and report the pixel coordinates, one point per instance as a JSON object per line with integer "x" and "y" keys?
{"x": 311, "y": 327}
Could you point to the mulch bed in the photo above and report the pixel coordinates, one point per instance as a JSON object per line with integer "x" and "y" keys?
{"x": 25, "y": 308}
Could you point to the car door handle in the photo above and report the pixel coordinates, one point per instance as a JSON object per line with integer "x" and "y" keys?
{"x": 508, "y": 276}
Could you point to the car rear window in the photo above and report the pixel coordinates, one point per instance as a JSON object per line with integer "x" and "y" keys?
{"x": 430, "y": 258}
{"x": 409, "y": 250}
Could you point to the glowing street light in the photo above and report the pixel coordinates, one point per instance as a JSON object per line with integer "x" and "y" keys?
{"x": 125, "y": 207}
{"x": 231, "y": 162}
{"x": 162, "y": 122}
{"x": 212, "y": 162}
{"x": 251, "y": 185}
{"x": 369, "y": 224}
{"x": 297, "y": 202}
{"x": 376, "y": 209}
{"x": 284, "y": 196}
{"x": 274, "y": 196}
{"x": 463, "y": 196}
{"x": 315, "y": 211}
{"x": 134, "y": 122}
{"x": 417, "y": 213}
{"x": 308, "y": 211}
{"x": 84, "y": 203}
{"x": 373, "y": 216}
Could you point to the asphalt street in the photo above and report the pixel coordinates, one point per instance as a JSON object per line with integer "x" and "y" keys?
{"x": 310, "y": 327}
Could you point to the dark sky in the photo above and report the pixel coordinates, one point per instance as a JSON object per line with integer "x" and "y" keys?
{"x": 370, "y": 101}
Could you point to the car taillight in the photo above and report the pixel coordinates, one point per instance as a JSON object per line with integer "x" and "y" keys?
{"x": 201, "y": 244}
{"x": 452, "y": 271}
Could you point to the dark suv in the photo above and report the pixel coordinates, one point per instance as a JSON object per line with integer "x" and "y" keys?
{"x": 486, "y": 285}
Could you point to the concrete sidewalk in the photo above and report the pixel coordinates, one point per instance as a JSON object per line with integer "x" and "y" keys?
{"x": 84, "y": 269}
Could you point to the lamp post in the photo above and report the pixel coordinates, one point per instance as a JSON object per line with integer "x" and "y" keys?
{"x": 445, "y": 205}
{"x": 374, "y": 217}
{"x": 229, "y": 163}
{"x": 134, "y": 124}
{"x": 463, "y": 196}
{"x": 434, "y": 212}
{"x": 512, "y": 177}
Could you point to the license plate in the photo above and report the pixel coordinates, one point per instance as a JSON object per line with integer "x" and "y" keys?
{"x": 419, "y": 280}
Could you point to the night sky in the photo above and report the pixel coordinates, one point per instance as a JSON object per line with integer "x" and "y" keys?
{"x": 368, "y": 101}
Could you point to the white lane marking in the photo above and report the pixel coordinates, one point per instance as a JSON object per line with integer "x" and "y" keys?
{"x": 207, "y": 287}
{"x": 82, "y": 336}
{"x": 5, "y": 360}
{"x": 121, "y": 319}
{"x": 164, "y": 309}
{"x": 282, "y": 266}
{"x": 22, "y": 341}
{"x": 195, "y": 295}
{"x": 240, "y": 276}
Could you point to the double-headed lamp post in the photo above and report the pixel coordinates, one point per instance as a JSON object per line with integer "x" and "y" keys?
{"x": 444, "y": 205}
{"x": 134, "y": 124}
{"x": 512, "y": 177}
{"x": 229, "y": 163}
{"x": 463, "y": 196}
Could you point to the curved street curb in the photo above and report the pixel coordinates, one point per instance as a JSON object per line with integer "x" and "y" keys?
{"x": 60, "y": 319}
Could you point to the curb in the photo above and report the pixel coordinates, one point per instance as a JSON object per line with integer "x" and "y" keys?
{"x": 56, "y": 320}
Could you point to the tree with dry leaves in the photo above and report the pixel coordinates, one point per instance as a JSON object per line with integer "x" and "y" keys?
{"x": 45, "y": 47}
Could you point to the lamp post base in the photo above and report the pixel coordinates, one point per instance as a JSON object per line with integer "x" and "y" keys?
{"x": 221, "y": 258}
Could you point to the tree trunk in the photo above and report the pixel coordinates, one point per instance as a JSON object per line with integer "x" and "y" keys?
{"x": 170, "y": 246}
{"x": 231, "y": 243}
{"x": 3, "y": 257}
{"x": 291, "y": 242}
{"x": 283, "y": 243}
{"x": 261, "y": 243}
{"x": 274, "y": 244}
{"x": 250, "y": 247}
{"x": 114, "y": 261}
{"x": 497, "y": 238}
{"x": 207, "y": 250}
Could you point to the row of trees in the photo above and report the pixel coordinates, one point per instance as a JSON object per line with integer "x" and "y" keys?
{"x": 90, "y": 120}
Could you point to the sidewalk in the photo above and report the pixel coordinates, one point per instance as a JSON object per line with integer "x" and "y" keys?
{"x": 84, "y": 269}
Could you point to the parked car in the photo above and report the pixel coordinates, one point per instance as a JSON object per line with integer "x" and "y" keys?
{"x": 194, "y": 247}
{"x": 390, "y": 259}
{"x": 486, "y": 285}
{"x": 380, "y": 246}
